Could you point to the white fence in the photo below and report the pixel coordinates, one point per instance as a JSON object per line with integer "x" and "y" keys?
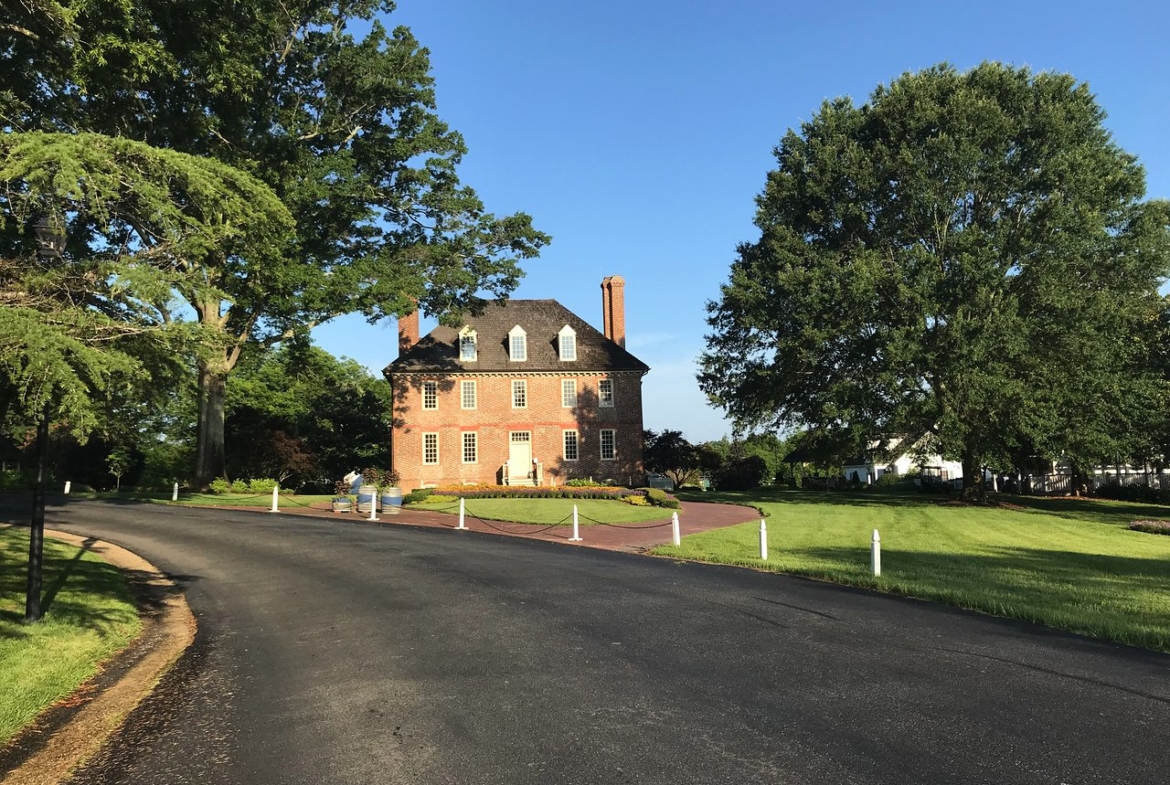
{"x": 1062, "y": 484}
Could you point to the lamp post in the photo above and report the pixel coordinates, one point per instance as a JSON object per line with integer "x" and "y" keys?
{"x": 50, "y": 243}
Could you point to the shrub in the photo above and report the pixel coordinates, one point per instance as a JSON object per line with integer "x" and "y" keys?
{"x": 439, "y": 498}
{"x": 16, "y": 481}
{"x": 261, "y": 485}
{"x": 239, "y": 486}
{"x": 580, "y": 482}
{"x": 416, "y": 496}
{"x": 660, "y": 498}
{"x": 341, "y": 488}
{"x": 637, "y": 501}
{"x": 220, "y": 485}
{"x": 1151, "y": 527}
{"x": 1132, "y": 493}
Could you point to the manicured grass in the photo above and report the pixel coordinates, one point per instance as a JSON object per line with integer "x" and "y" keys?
{"x": 88, "y": 615}
{"x": 552, "y": 511}
{"x": 1066, "y": 563}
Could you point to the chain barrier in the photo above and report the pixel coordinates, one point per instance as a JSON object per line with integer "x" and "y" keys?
{"x": 626, "y": 525}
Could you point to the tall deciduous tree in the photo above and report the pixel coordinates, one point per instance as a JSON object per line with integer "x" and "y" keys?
{"x": 968, "y": 255}
{"x": 342, "y": 127}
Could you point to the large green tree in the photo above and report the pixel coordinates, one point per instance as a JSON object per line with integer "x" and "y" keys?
{"x": 967, "y": 256}
{"x": 318, "y": 100}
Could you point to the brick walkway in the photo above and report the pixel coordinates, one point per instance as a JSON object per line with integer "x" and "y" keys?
{"x": 694, "y": 517}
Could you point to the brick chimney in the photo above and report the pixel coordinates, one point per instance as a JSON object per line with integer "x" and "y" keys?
{"x": 407, "y": 332}
{"x": 613, "y": 309}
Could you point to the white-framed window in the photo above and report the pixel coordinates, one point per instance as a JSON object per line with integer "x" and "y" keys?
{"x": 568, "y": 393}
{"x": 517, "y": 344}
{"x": 430, "y": 395}
{"x": 467, "y": 394}
{"x": 519, "y": 394}
{"x": 567, "y": 339}
{"x": 572, "y": 445}
{"x": 470, "y": 447}
{"x": 430, "y": 448}
{"x": 608, "y": 450}
{"x": 467, "y": 347}
{"x": 605, "y": 393}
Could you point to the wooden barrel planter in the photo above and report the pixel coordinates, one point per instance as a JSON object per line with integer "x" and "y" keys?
{"x": 391, "y": 500}
{"x": 365, "y": 498}
{"x": 341, "y": 504}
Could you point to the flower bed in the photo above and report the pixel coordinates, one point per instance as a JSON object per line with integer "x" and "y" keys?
{"x": 655, "y": 497}
{"x": 1151, "y": 527}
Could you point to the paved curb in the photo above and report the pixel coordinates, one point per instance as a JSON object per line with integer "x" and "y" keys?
{"x": 167, "y": 630}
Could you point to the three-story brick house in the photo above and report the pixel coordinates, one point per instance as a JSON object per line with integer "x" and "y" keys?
{"x": 526, "y": 393}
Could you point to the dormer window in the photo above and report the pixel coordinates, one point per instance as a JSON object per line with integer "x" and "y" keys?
{"x": 568, "y": 343}
{"x": 467, "y": 349}
{"x": 517, "y": 344}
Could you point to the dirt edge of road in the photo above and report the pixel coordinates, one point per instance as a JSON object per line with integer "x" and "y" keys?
{"x": 67, "y": 734}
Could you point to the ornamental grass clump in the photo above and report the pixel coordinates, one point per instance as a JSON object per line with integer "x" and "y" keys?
{"x": 1151, "y": 527}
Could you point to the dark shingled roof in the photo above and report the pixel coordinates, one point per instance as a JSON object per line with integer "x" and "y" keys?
{"x": 541, "y": 320}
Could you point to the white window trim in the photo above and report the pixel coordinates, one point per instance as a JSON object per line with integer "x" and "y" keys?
{"x": 524, "y": 384}
{"x": 564, "y": 384}
{"x": 424, "y": 449}
{"x": 565, "y": 445}
{"x": 513, "y": 334}
{"x": 434, "y": 387}
{"x": 463, "y": 397}
{"x": 567, "y": 332}
{"x": 465, "y": 334}
{"x": 601, "y": 398}
{"x": 474, "y": 446}
{"x": 601, "y": 443}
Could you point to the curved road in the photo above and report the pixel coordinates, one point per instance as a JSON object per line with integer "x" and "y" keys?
{"x": 334, "y": 652}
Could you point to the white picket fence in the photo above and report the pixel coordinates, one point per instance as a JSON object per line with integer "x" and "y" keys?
{"x": 1061, "y": 484}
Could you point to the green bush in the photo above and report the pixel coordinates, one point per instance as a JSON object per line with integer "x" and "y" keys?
{"x": 637, "y": 501}
{"x": 660, "y": 498}
{"x": 438, "y": 498}
{"x": 417, "y": 495}
{"x": 580, "y": 482}
{"x": 16, "y": 481}
{"x": 220, "y": 485}
{"x": 261, "y": 485}
{"x": 239, "y": 486}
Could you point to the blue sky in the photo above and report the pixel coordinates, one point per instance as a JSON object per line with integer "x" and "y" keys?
{"x": 638, "y": 133}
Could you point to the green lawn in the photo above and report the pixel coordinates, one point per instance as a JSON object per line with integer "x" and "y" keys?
{"x": 88, "y": 615}
{"x": 552, "y": 511}
{"x": 1066, "y": 563}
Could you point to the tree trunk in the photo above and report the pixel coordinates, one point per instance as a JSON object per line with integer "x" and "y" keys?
{"x": 209, "y": 449}
{"x": 974, "y": 487}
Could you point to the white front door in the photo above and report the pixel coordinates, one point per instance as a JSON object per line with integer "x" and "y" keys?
{"x": 520, "y": 455}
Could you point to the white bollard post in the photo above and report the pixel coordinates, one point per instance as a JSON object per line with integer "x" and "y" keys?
{"x": 675, "y": 534}
{"x": 275, "y": 492}
{"x": 875, "y": 561}
{"x": 175, "y": 493}
{"x": 374, "y": 506}
{"x": 763, "y": 540}
{"x": 68, "y": 485}
{"x": 462, "y": 513}
{"x": 576, "y": 531}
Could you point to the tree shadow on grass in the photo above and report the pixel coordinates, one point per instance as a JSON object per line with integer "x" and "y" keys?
{"x": 83, "y": 593}
{"x": 1120, "y": 597}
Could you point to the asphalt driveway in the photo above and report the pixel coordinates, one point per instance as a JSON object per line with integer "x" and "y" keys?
{"x": 339, "y": 652}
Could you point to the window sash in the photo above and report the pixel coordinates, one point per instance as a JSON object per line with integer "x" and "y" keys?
{"x": 572, "y": 446}
{"x": 605, "y": 393}
{"x": 430, "y": 448}
{"x": 471, "y": 447}
{"x": 467, "y": 347}
{"x": 519, "y": 348}
{"x": 467, "y": 394}
{"x": 519, "y": 394}
{"x": 608, "y": 449}
{"x": 568, "y": 393}
{"x": 430, "y": 395}
{"x": 568, "y": 347}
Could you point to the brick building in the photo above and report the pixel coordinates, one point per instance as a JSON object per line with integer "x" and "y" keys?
{"x": 525, "y": 393}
